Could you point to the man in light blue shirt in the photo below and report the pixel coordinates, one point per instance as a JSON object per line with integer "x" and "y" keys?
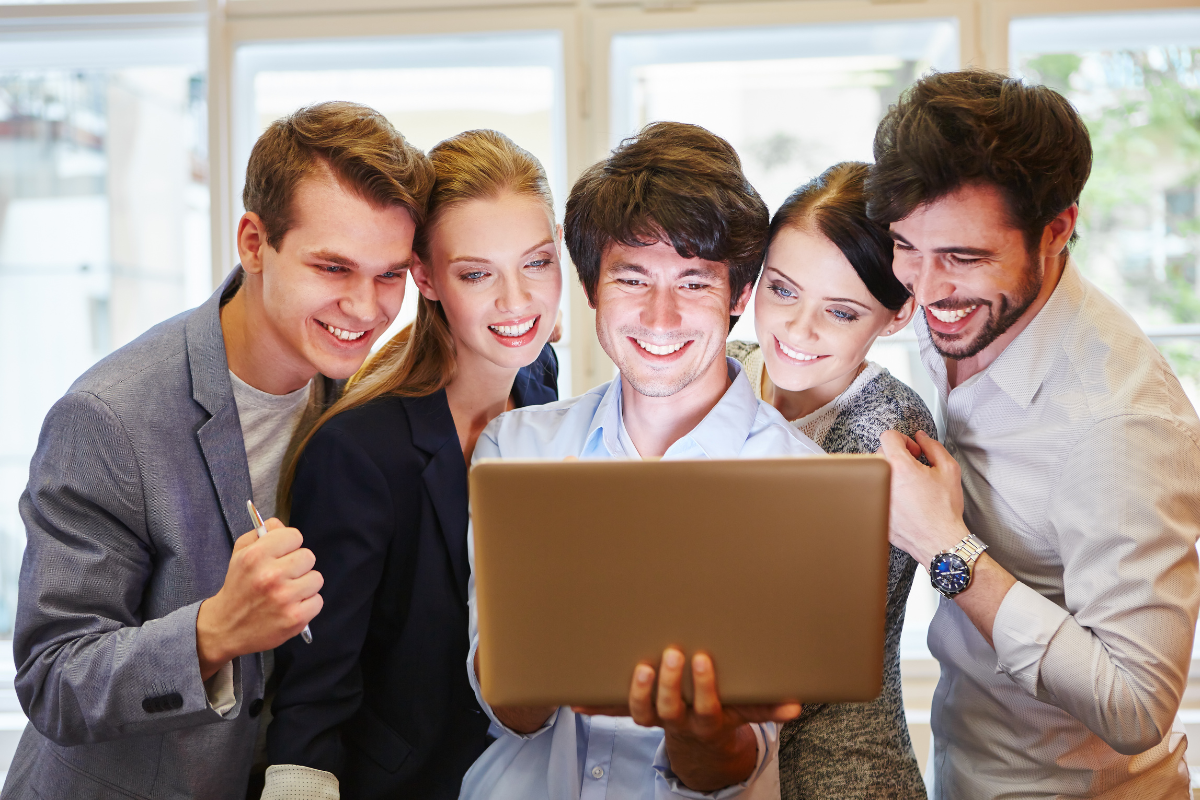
{"x": 667, "y": 236}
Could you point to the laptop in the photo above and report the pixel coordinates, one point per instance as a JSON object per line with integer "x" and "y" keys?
{"x": 775, "y": 567}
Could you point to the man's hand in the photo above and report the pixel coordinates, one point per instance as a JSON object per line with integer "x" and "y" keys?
{"x": 927, "y": 502}
{"x": 926, "y": 518}
{"x": 710, "y": 746}
{"x": 270, "y": 594}
{"x": 522, "y": 719}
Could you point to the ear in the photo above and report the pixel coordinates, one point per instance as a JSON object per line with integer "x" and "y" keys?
{"x": 743, "y": 300}
{"x": 902, "y": 317}
{"x": 420, "y": 275}
{"x": 558, "y": 240}
{"x": 1058, "y": 232}
{"x": 251, "y": 242}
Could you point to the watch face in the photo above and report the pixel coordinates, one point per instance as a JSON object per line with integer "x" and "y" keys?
{"x": 949, "y": 573}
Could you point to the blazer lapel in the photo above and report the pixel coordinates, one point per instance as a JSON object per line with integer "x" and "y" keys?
{"x": 445, "y": 476}
{"x": 220, "y": 438}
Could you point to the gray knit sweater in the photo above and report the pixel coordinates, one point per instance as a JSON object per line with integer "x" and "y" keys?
{"x": 856, "y": 750}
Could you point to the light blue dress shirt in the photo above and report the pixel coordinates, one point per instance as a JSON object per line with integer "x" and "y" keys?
{"x": 578, "y": 756}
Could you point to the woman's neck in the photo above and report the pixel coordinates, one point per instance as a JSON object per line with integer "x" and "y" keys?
{"x": 797, "y": 405}
{"x": 479, "y": 393}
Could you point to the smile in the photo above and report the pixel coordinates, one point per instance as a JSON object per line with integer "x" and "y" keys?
{"x": 659, "y": 349}
{"x": 951, "y": 316}
{"x": 795, "y": 354}
{"x": 513, "y": 330}
{"x": 344, "y": 335}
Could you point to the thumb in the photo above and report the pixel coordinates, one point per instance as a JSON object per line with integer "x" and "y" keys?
{"x": 273, "y": 523}
{"x": 896, "y": 447}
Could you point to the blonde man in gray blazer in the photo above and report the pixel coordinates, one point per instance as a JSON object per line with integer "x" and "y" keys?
{"x": 145, "y": 604}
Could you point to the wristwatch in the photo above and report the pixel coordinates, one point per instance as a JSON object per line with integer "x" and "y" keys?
{"x": 951, "y": 570}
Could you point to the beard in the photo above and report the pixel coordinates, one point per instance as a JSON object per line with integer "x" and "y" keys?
{"x": 1002, "y": 315}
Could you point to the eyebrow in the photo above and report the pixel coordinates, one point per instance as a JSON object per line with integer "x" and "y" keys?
{"x": 690, "y": 272}
{"x": 849, "y": 300}
{"x": 481, "y": 260}
{"x": 342, "y": 261}
{"x": 956, "y": 248}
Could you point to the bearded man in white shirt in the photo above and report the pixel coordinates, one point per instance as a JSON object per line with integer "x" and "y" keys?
{"x": 1060, "y": 518}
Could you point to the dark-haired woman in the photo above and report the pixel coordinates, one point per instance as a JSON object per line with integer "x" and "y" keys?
{"x": 827, "y": 292}
{"x": 379, "y": 705}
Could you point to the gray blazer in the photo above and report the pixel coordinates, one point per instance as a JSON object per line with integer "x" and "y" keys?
{"x": 136, "y": 493}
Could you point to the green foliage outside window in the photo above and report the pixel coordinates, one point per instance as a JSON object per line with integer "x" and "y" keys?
{"x": 1139, "y": 226}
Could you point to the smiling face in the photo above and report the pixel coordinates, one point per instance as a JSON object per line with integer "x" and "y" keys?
{"x": 663, "y": 318}
{"x": 495, "y": 269}
{"x": 968, "y": 267}
{"x": 814, "y": 316}
{"x": 335, "y": 283}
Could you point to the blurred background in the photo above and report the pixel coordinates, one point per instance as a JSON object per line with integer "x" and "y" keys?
{"x": 125, "y": 129}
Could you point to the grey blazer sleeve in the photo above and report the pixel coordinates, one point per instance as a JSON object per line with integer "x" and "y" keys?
{"x": 90, "y": 666}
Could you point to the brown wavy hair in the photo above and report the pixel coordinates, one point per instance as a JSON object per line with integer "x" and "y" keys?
{"x": 954, "y": 129}
{"x": 354, "y": 142}
{"x": 675, "y": 183}
{"x": 420, "y": 359}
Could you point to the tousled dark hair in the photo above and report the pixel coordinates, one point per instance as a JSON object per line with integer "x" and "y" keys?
{"x": 835, "y": 205}
{"x": 675, "y": 183}
{"x": 954, "y": 129}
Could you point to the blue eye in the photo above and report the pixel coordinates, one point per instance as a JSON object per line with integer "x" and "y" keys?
{"x": 541, "y": 262}
{"x": 781, "y": 291}
{"x": 474, "y": 276}
{"x": 842, "y": 315}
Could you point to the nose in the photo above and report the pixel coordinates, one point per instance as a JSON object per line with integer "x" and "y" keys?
{"x": 929, "y": 282}
{"x": 361, "y": 301}
{"x": 661, "y": 311}
{"x": 802, "y": 327}
{"x": 514, "y": 296}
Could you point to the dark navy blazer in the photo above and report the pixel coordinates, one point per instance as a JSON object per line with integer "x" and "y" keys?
{"x": 381, "y": 697}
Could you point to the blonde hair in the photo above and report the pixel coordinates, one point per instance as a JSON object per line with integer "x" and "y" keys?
{"x": 420, "y": 359}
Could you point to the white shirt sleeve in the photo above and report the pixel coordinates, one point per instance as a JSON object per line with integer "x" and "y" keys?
{"x": 1124, "y": 518}
{"x": 763, "y": 783}
{"x": 1024, "y": 626}
{"x": 293, "y": 782}
{"x": 219, "y": 690}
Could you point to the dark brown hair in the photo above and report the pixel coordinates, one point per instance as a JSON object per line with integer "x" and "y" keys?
{"x": 834, "y": 204}
{"x": 953, "y": 129}
{"x": 356, "y": 143}
{"x": 420, "y": 359}
{"x": 674, "y": 183}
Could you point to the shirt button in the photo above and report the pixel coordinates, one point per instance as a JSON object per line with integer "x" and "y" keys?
{"x": 597, "y": 772}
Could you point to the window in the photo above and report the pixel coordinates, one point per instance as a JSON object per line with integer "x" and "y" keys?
{"x": 104, "y": 222}
{"x": 429, "y": 88}
{"x": 1135, "y": 79}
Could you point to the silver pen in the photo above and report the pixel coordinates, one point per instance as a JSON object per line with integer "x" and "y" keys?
{"x": 260, "y": 528}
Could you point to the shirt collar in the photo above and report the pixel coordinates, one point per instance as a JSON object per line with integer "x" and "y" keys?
{"x": 721, "y": 434}
{"x": 1020, "y": 370}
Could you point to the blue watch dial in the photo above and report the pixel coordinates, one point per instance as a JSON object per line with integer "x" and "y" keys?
{"x": 949, "y": 573}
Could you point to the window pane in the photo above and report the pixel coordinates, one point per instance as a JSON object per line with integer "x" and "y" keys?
{"x": 429, "y": 88}
{"x": 792, "y": 101}
{"x": 103, "y": 232}
{"x": 1135, "y": 79}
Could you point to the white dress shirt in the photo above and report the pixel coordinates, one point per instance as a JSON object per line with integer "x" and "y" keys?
{"x": 1080, "y": 459}
{"x": 577, "y": 756}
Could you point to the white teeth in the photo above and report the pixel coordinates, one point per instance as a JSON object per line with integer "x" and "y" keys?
{"x": 514, "y": 330}
{"x": 344, "y": 335}
{"x": 796, "y": 354}
{"x": 951, "y": 316}
{"x": 659, "y": 349}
